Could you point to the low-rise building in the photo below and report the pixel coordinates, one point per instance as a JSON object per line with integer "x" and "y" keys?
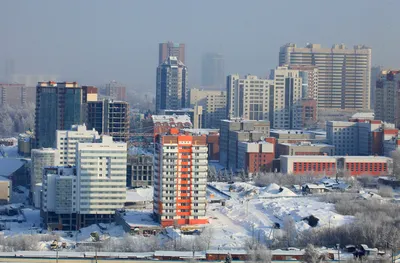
{"x": 330, "y": 165}
{"x": 255, "y": 157}
{"x": 305, "y": 148}
{"x": 5, "y": 190}
{"x": 235, "y": 130}
{"x": 307, "y": 164}
{"x": 295, "y": 136}
{"x": 366, "y": 165}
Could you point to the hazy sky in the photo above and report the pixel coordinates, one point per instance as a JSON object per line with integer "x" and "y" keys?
{"x": 94, "y": 41}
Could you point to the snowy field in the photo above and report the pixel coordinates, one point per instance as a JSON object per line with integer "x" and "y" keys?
{"x": 248, "y": 211}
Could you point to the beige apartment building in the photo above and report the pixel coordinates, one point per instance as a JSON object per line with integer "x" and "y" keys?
{"x": 344, "y": 74}
{"x": 213, "y": 103}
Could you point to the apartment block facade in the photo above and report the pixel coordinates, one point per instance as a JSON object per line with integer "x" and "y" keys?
{"x": 213, "y": 103}
{"x": 387, "y": 97}
{"x": 66, "y": 142}
{"x": 109, "y": 117}
{"x": 171, "y": 85}
{"x": 180, "y": 178}
{"x": 344, "y": 75}
{"x": 330, "y": 165}
{"x": 356, "y": 137}
{"x": 287, "y": 94}
{"x": 235, "y": 130}
{"x": 253, "y": 157}
{"x": 41, "y": 158}
{"x": 90, "y": 192}
{"x": 139, "y": 170}
{"x": 170, "y": 49}
{"x": 58, "y": 107}
{"x": 249, "y": 97}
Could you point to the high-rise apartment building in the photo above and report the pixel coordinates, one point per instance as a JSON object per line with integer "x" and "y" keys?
{"x": 67, "y": 140}
{"x": 171, "y": 49}
{"x": 212, "y": 71}
{"x": 90, "y": 192}
{"x": 249, "y": 97}
{"x": 375, "y": 73}
{"x": 58, "y": 107}
{"x": 109, "y": 117}
{"x": 309, "y": 80}
{"x": 213, "y": 103}
{"x": 238, "y": 130}
{"x": 343, "y": 74}
{"x": 41, "y": 158}
{"x": 180, "y": 178}
{"x": 16, "y": 94}
{"x": 172, "y": 85}
{"x": 387, "y": 97}
{"x": 287, "y": 94}
{"x": 116, "y": 91}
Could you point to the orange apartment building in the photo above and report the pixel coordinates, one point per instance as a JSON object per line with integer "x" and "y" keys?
{"x": 180, "y": 178}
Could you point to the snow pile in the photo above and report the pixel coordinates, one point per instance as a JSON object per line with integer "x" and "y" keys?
{"x": 270, "y": 191}
{"x": 300, "y": 208}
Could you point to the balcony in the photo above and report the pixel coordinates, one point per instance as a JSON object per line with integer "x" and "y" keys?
{"x": 200, "y": 150}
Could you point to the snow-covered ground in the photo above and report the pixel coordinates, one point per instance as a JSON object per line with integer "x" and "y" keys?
{"x": 248, "y": 211}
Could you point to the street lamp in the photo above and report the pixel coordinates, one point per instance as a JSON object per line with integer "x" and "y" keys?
{"x": 338, "y": 251}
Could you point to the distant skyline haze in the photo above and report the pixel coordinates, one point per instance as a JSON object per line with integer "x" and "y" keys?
{"x": 93, "y": 42}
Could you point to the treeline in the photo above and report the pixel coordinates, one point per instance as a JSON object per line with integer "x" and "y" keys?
{"x": 16, "y": 119}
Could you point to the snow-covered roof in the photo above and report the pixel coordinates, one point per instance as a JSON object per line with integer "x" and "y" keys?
{"x": 139, "y": 194}
{"x": 363, "y": 115}
{"x": 10, "y": 165}
{"x": 169, "y": 118}
{"x": 225, "y": 252}
{"x": 290, "y": 131}
{"x": 314, "y": 186}
{"x": 201, "y": 131}
{"x": 136, "y": 218}
{"x": 180, "y": 254}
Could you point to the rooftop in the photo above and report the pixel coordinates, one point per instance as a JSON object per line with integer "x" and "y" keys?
{"x": 10, "y": 165}
{"x": 136, "y": 218}
{"x": 307, "y": 144}
{"x": 171, "y": 118}
{"x": 290, "y": 131}
{"x": 201, "y": 131}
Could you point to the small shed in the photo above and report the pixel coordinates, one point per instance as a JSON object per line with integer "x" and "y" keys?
{"x": 313, "y": 188}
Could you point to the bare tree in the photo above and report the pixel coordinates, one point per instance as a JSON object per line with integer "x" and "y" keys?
{"x": 311, "y": 254}
{"x": 259, "y": 253}
{"x": 385, "y": 191}
{"x": 396, "y": 163}
{"x": 289, "y": 226}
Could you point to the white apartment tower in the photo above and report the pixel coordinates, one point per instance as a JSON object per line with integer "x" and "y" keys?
{"x": 91, "y": 191}
{"x": 41, "y": 158}
{"x": 249, "y": 97}
{"x": 287, "y": 94}
{"x": 344, "y": 74}
{"x": 66, "y": 142}
{"x": 101, "y": 172}
{"x": 180, "y": 178}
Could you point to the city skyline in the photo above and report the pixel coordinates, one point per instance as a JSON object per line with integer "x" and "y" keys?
{"x": 116, "y": 53}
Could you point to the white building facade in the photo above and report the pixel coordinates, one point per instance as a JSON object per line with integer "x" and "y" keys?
{"x": 66, "y": 142}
